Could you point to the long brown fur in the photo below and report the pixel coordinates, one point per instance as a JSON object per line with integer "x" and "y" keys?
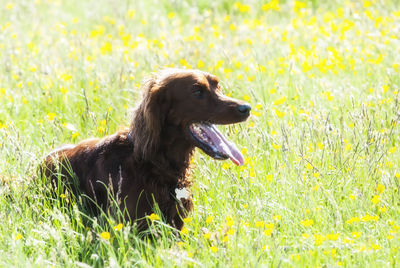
{"x": 147, "y": 162}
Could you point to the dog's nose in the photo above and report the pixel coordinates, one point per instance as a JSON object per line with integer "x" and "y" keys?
{"x": 244, "y": 109}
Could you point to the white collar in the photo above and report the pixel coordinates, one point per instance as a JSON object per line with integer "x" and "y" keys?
{"x": 182, "y": 193}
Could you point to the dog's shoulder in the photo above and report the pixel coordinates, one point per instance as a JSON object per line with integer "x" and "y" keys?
{"x": 116, "y": 146}
{"x": 118, "y": 140}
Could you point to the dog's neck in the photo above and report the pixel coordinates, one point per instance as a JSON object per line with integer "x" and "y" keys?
{"x": 175, "y": 150}
{"x": 172, "y": 153}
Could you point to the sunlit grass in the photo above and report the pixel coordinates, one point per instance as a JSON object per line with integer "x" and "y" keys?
{"x": 321, "y": 178}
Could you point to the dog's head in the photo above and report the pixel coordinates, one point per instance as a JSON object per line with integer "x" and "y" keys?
{"x": 192, "y": 101}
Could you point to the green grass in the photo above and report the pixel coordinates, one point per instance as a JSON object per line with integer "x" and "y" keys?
{"x": 320, "y": 186}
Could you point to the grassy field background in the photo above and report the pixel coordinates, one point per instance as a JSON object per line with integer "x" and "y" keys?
{"x": 320, "y": 186}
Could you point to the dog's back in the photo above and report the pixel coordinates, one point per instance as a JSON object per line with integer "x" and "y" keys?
{"x": 90, "y": 166}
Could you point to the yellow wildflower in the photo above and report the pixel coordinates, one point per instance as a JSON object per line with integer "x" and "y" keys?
{"x": 246, "y": 98}
{"x": 185, "y": 231}
{"x": 230, "y": 232}
{"x": 187, "y": 220}
{"x": 375, "y": 199}
{"x": 105, "y": 235}
{"x": 200, "y": 64}
{"x": 242, "y": 7}
{"x": 18, "y": 237}
{"x": 225, "y": 239}
{"x": 356, "y": 234}
{"x": 269, "y": 226}
{"x": 118, "y": 227}
{"x": 298, "y": 5}
{"x": 260, "y": 224}
{"x": 131, "y": 13}
{"x": 268, "y": 232}
{"x": 280, "y": 101}
{"x": 380, "y": 188}
{"x": 154, "y": 217}
{"x": 51, "y": 116}
{"x": 332, "y": 237}
{"x": 307, "y": 223}
{"x": 106, "y": 48}
{"x": 383, "y": 209}
{"x": 276, "y": 146}
{"x": 318, "y": 239}
{"x": 213, "y": 249}
{"x": 279, "y": 113}
{"x": 320, "y": 145}
{"x": 376, "y": 247}
{"x": 353, "y": 219}
{"x": 329, "y": 96}
{"x": 272, "y": 5}
{"x": 229, "y": 221}
{"x": 368, "y": 218}
{"x": 277, "y": 217}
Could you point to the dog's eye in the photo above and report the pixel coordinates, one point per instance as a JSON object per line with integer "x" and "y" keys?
{"x": 198, "y": 92}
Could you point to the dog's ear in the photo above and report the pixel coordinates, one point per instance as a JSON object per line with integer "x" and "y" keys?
{"x": 149, "y": 118}
{"x": 155, "y": 110}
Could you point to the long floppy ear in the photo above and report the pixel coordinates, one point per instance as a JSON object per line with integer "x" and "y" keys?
{"x": 149, "y": 119}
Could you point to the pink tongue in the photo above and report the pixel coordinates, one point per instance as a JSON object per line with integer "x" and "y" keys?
{"x": 223, "y": 145}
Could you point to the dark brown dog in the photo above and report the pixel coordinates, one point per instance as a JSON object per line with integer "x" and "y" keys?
{"x": 148, "y": 163}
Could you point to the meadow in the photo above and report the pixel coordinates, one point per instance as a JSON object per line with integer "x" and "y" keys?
{"x": 320, "y": 184}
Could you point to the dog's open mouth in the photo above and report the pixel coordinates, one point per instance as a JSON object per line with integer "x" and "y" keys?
{"x": 213, "y": 143}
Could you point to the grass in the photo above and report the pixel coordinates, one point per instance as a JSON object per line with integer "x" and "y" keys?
{"x": 320, "y": 186}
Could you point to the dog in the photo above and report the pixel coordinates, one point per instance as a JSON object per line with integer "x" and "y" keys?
{"x": 148, "y": 163}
